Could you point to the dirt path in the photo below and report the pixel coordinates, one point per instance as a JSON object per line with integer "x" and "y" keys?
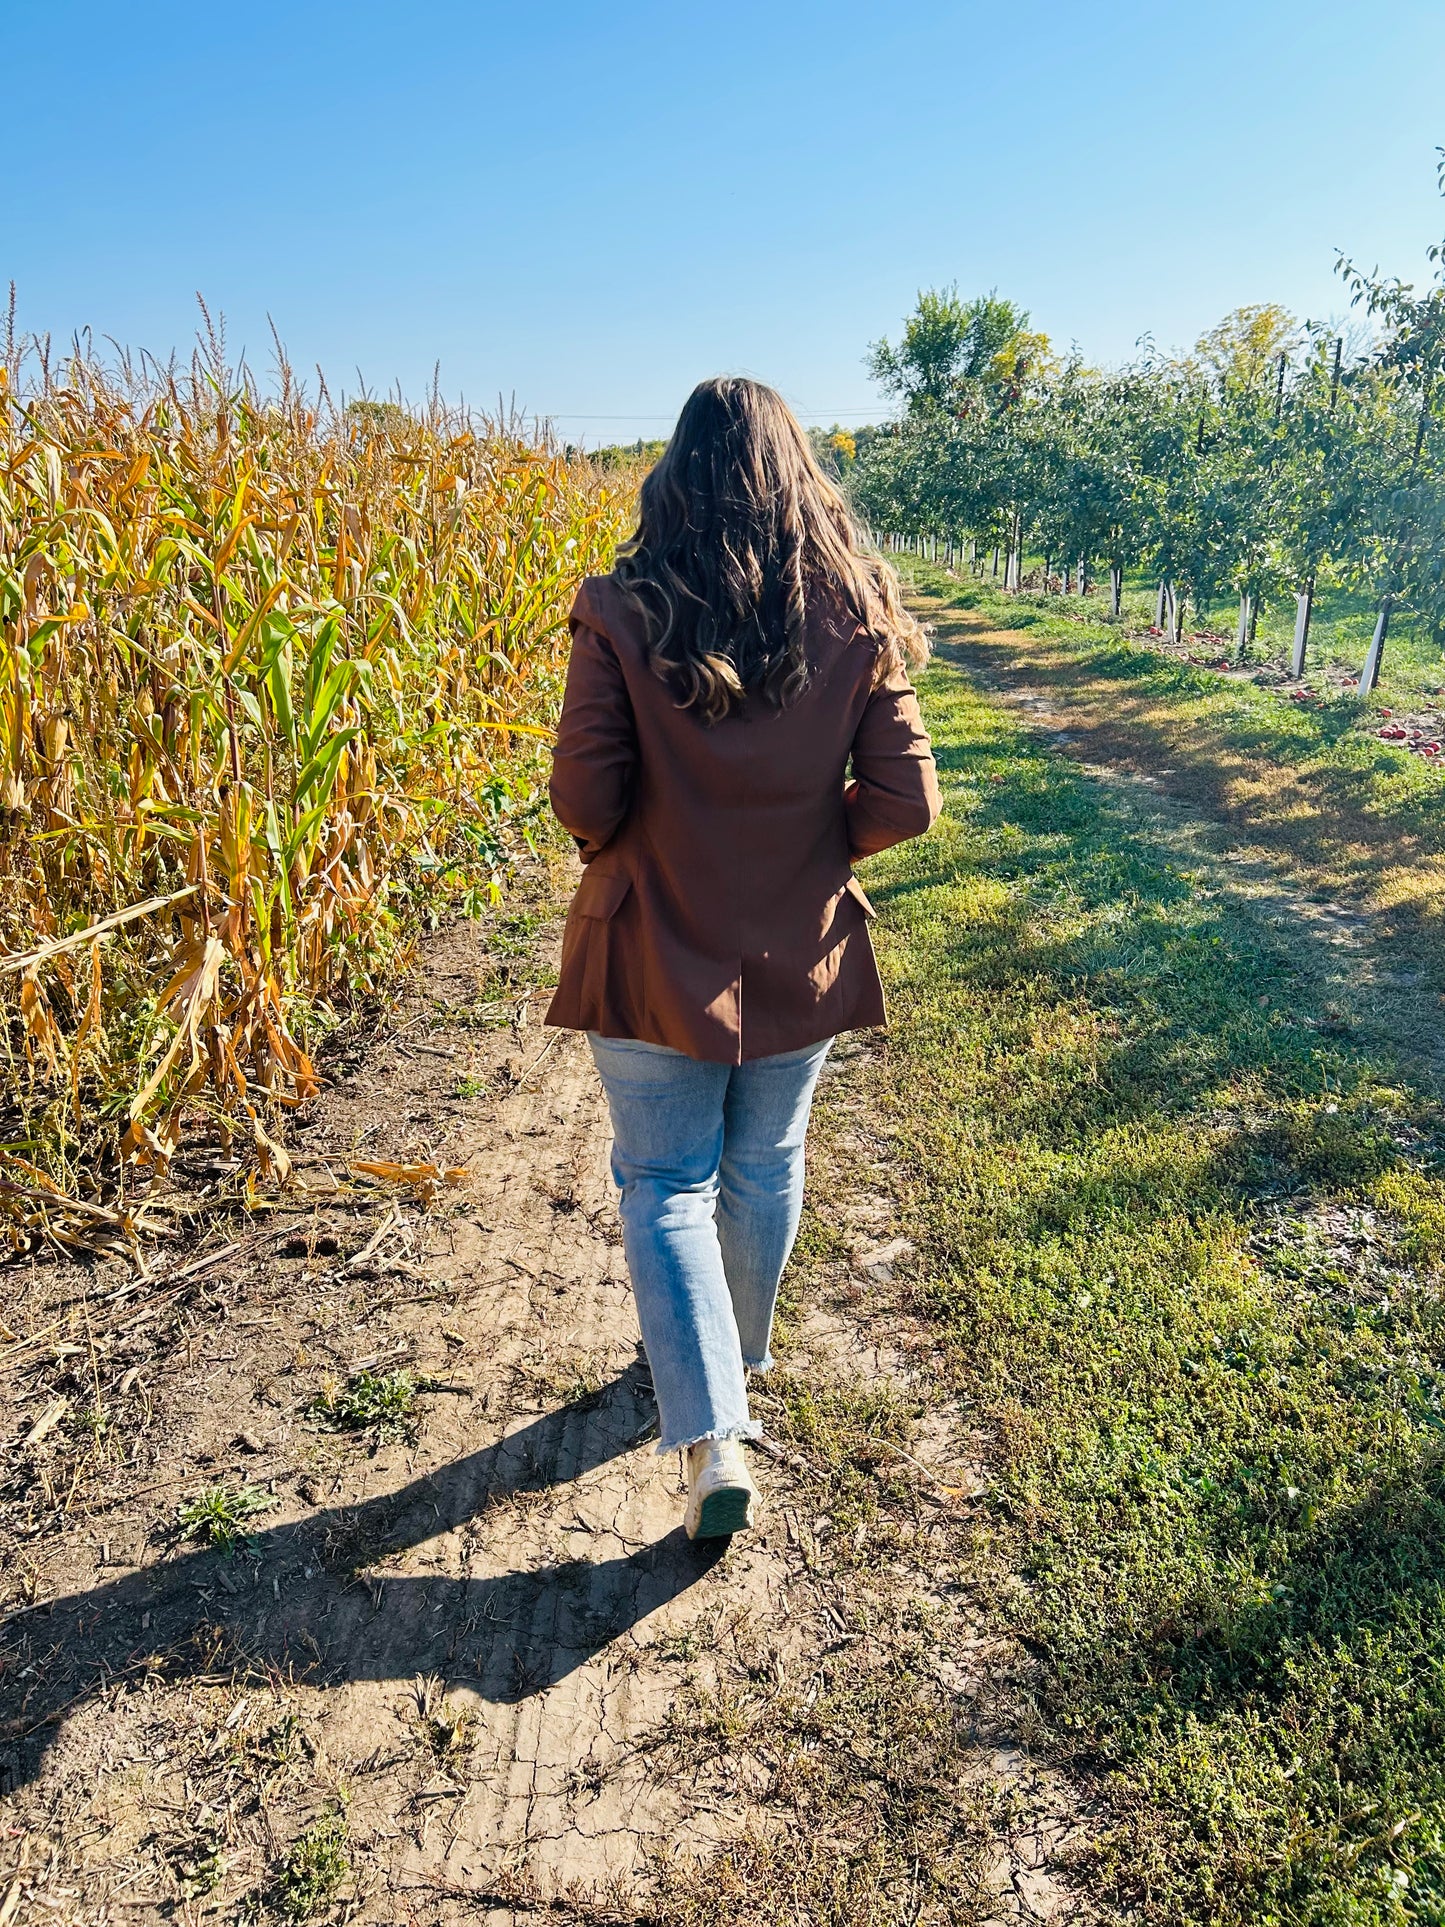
{"x": 1353, "y": 899}
{"x": 474, "y": 1671}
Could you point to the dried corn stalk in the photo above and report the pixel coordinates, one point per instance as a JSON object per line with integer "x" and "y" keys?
{"x": 272, "y": 682}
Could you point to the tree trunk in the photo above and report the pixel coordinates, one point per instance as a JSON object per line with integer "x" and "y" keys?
{"x": 1159, "y": 605}
{"x": 1116, "y": 589}
{"x": 1241, "y": 641}
{"x": 1370, "y": 674}
{"x": 1083, "y": 575}
{"x": 995, "y": 561}
{"x": 1303, "y": 608}
{"x": 1179, "y": 602}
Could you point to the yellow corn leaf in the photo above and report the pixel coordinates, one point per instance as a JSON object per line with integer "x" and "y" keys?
{"x": 89, "y": 1023}
{"x": 228, "y": 547}
{"x": 148, "y": 1146}
{"x": 42, "y": 1033}
{"x": 422, "y": 1177}
{"x": 199, "y": 609}
{"x": 274, "y": 1160}
{"x": 195, "y": 981}
{"x": 191, "y": 989}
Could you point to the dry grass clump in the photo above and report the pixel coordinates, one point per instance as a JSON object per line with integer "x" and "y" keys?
{"x": 274, "y": 678}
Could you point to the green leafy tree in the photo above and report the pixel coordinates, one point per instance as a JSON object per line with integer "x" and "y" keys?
{"x": 1404, "y": 560}
{"x": 947, "y": 341}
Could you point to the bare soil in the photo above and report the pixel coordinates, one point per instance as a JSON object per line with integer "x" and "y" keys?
{"x": 472, "y": 1669}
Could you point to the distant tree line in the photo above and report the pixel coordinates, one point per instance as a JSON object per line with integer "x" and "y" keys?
{"x": 1277, "y": 458}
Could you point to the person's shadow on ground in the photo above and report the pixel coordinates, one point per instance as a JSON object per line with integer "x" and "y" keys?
{"x": 300, "y": 1598}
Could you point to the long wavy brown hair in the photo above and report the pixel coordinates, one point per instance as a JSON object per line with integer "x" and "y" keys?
{"x": 740, "y": 533}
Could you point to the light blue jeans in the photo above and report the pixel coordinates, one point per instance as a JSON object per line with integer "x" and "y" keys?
{"x": 709, "y": 1161}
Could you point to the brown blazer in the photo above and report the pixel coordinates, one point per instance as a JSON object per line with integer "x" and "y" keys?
{"x": 718, "y": 911}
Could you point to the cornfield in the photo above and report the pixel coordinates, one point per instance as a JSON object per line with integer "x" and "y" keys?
{"x": 275, "y": 679}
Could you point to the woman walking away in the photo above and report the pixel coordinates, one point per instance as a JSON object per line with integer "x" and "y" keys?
{"x": 738, "y": 727}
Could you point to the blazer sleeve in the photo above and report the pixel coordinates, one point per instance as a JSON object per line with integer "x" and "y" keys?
{"x": 893, "y": 793}
{"x": 594, "y": 759}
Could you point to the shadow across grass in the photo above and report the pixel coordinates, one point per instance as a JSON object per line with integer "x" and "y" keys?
{"x": 1164, "y": 1217}
{"x": 1344, "y": 812}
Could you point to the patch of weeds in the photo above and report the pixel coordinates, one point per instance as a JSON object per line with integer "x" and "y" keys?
{"x": 217, "y": 1516}
{"x": 447, "y": 1727}
{"x": 1418, "y": 1203}
{"x": 1336, "y": 1144}
{"x": 514, "y": 934}
{"x": 885, "y": 1816}
{"x": 681, "y": 1647}
{"x": 709, "y": 1722}
{"x": 196, "y": 1860}
{"x": 573, "y": 1378}
{"x": 382, "y": 1403}
{"x": 282, "y": 1744}
{"x": 854, "y": 1433}
{"x": 821, "y": 1241}
{"x": 485, "y": 1014}
{"x": 468, "y": 1085}
{"x": 841, "y": 1424}
{"x": 686, "y": 1643}
{"x": 319, "y": 1861}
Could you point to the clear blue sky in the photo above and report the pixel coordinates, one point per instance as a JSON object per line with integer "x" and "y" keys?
{"x": 591, "y": 206}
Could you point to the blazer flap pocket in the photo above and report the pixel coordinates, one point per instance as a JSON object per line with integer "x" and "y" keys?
{"x": 600, "y": 894}
{"x": 856, "y": 891}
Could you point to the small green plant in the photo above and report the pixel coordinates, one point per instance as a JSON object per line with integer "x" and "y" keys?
{"x": 382, "y": 1403}
{"x": 685, "y": 1645}
{"x": 217, "y": 1516}
{"x": 282, "y": 1744}
{"x": 196, "y": 1860}
{"x": 469, "y": 1086}
{"x": 315, "y": 1867}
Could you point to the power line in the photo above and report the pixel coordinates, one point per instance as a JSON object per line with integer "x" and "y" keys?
{"x": 643, "y": 415}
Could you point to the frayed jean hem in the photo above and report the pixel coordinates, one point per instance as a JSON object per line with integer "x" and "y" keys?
{"x": 759, "y": 1365}
{"x": 750, "y": 1429}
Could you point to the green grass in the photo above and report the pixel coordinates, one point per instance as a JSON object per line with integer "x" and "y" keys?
{"x": 1341, "y": 624}
{"x": 1136, "y": 1152}
{"x": 1334, "y": 739}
